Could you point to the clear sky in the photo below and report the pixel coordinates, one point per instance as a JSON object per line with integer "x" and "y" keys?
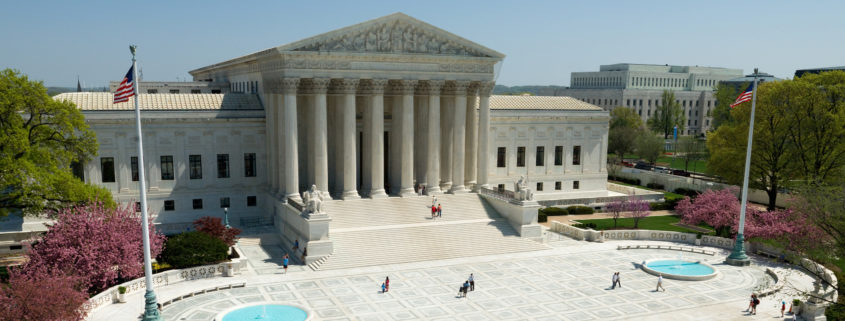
{"x": 544, "y": 41}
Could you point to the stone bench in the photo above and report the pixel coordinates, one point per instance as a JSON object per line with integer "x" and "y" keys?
{"x": 665, "y": 247}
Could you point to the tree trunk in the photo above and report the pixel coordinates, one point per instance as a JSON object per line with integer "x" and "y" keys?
{"x": 773, "y": 198}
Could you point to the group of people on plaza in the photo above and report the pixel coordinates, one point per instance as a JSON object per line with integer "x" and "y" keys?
{"x": 469, "y": 285}
{"x": 616, "y": 281}
{"x": 436, "y": 211}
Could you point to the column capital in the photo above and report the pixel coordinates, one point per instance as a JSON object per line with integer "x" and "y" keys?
{"x": 461, "y": 87}
{"x": 319, "y": 85}
{"x": 485, "y": 88}
{"x": 431, "y": 87}
{"x": 372, "y": 86}
{"x": 404, "y": 86}
{"x": 288, "y": 86}
{"x": 345, "y": 85}
{"x": 472, "y": 89}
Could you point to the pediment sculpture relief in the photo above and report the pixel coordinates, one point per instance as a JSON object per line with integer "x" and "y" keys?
{"x": 392, "y": 37}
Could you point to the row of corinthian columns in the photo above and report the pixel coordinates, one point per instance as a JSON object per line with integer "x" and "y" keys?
{"x": 455, "y": 136}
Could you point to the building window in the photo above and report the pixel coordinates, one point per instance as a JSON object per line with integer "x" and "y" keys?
{"x": 222, "y": 165}
{"x": 107, "y": 169}
{"x": 251, "y": 201}
{"x": 197, "y": 203}
{"x": 215, "y": 91}
{"x": 174, "y": 91}
{"x": 520, "y": 156}
{"x": 558, "y": 155}
{"x": 152, "y": 91}
{"x": 195, "y": 91}
{"x": 557, "y": 186}
{"x": 167, "y": 168}
{"x": 195, "y": 163}
{"x": 224, "y": 202}
{"x": 78, "y": 170}
{"x": 540, "y": 186}
{"x": 576, "y": 155}
{"x": 541, "y": 155}
{"x": 249, "y": 165}
{"x": 628, "y": 102}
{"x": 501, "y": 187}
{"x": 706, "y": 122}
{"x": 169, "y": 205}
{"x": 501, "y": 156}
{"x": 133, "y": 165}
{"x": 576, "y": 184}
{"x": 137, "y": 207}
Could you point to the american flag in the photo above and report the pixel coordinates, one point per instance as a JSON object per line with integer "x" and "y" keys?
{"x": 126, "y": 88}
{"x": 744, "y": 96}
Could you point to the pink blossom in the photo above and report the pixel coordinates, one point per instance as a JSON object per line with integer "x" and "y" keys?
{"x": 39, "y": 296}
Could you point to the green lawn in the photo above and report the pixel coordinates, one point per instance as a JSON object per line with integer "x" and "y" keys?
{"x": 699, "y": 166}
{"x": 659, "y": 223}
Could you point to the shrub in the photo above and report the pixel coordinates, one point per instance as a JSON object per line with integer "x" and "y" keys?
{"x": 214, "y": 226}
{"x": 632, "y": 181}
{"x": 38, "y": 295}
{"x": 585, "y": 225}
{"x": 655, "y": 186}
{"x": 121, "y": 289}
{"x": 579, "y": 210}
{"x": 660, "y": 206}
{"x": 542, "y": 217}
{"x": 551, "y": 211}
{"x": 686, "y": 192}
{"x": 192, "y": 249}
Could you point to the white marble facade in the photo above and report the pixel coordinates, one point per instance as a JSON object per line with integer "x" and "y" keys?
{"x": 375, "y": 109}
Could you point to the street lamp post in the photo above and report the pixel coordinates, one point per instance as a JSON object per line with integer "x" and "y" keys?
{"x": 226, "y": 217}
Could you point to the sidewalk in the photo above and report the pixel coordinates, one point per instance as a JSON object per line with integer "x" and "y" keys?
{"x": 567, "y": 219}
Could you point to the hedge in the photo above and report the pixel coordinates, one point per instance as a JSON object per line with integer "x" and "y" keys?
{"x": 632, "y": 181}
{"x": 194, "y": 249}
{"x": 578, "y": 209}
{"x": 584, "y": 226}
{"x": 655, "y": 186}
{"x": 686, "y": 192}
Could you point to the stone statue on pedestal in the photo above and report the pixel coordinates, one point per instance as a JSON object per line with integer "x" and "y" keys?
{"x": 521, "y": 191}
{"x": 313, "y": 200}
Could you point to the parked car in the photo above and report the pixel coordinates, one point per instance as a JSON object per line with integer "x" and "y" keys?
{"x": 627, "y": 164}
{"x": 643, "y": 166}
{"x": 680, "y": 172}
{"x": 661, "y": 169}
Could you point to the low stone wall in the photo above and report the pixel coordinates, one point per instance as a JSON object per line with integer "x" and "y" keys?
{"x": 166, "y": 278}
{"x": 568, "y": 230}
{"x": 521, "y": 216}
{"x": 649, "y": 235}
{"x": 312, "y": 231}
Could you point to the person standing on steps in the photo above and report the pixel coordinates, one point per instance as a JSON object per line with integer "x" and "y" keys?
{"x": 471, "y": 282}
{"x": 295, "y": 245}
{"x": 304, "y": 254}
{"x": 439, "y": 211}
{"x": 660, "y": 283}
{"x": 285, "y": 263}
{"x": 433, "y": 211}
{"x": 386, "y": 284}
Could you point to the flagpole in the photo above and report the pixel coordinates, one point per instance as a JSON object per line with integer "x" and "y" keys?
{"x": 150, "y": 306}
{"x": 738, "y": 256}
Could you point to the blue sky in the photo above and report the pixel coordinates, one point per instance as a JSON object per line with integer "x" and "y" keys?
{"x": 544, "y": 41}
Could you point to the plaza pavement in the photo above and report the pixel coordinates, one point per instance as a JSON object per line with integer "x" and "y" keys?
{"x": 570, "y": 281}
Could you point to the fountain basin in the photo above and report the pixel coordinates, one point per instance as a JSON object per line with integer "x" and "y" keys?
{"x": 680, "y": 269}
{"x": 264, "y": 311}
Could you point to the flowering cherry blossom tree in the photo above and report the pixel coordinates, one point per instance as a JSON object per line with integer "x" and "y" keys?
{"x": 615, "y": 209}
{"x": 637, "y": 209}
{"x": 99, "y": 245}
{"x": 39, "y": 296}
{"x": 214, "y": 226}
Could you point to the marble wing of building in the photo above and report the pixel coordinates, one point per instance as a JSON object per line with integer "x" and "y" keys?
{"x": 388, "y": 107}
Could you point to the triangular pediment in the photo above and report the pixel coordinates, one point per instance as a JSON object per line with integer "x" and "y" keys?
{"x": 395, "y": 33}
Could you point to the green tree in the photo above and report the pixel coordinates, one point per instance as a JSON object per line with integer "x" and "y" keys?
{"x": 625, "y": 126}
{"x": 192, "y": 249}
{"x": 725, "y": 96}
{"x": 39, "y": 139}
{"x": 816, "y": 111}
{"x": 667, "y": 115}
{"x": 690, "y": 149}
{"x": 649, "y": 146}
{"x": 771, "y": 164}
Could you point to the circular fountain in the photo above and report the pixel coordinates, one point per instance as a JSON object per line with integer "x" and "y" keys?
{"x": 264, "y": 312}
{"x": 680, "y": 269}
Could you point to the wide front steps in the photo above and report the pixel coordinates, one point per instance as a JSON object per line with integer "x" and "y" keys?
{"x": 406, "y": 210}
{"x": 424, "y": 242}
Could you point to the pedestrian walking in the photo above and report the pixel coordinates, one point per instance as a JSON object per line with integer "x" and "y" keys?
{"x": 439, "y": 211}
{"x": 383, "y": 288}
{"x": 386, "y": 284}
{"x": 754, "y": 305}
{"x": 304, "y": 253}
{"x": 285, "y": 263}
{"x": 471, "y": 282}
{"x": 466, "y": 287}
{"x": 750, "y": 303}
{"x": 660, "y": 283}
{"x": 433, "y": 200}
{"x": 618, "y": 279}
{"x": 295, "y": 245}
{"x": 613, "y": 281}
{"x": 782, "y": 308}
{"x": 433, "y": 211}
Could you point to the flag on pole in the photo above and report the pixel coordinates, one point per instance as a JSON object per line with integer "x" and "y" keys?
{"x": 744, "y": 96}
{"x": 126, "y": 88}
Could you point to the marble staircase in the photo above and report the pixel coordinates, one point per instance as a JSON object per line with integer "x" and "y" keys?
{"x": 400, "y": 230}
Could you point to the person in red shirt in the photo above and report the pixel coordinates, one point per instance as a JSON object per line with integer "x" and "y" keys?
{"x": 433, "y": 211}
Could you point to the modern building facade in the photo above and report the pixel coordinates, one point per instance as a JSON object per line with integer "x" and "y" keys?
{"x": 386, "y": 107}
{"x": 641, "y": 87}
{"x": 801, "y": 72}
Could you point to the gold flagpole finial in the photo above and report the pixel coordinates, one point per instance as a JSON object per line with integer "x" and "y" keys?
{"x": 132, "y": 50}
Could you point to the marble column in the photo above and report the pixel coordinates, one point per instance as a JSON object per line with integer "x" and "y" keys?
{"x": 349, "y": 133}
{"x": 291, "y": 164}
{"x": 459, "y": 114}
{"x": 373, "y": 146}
{"x": 433, "y": 141}
{"x": 447, "y": 105}
{"x": 484, "y": 92}
{"x": 270, "y": 140}
{"x": 471, "y": 138}
{"x": 319, "y": 133}
{"x": 405, "y": 127}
